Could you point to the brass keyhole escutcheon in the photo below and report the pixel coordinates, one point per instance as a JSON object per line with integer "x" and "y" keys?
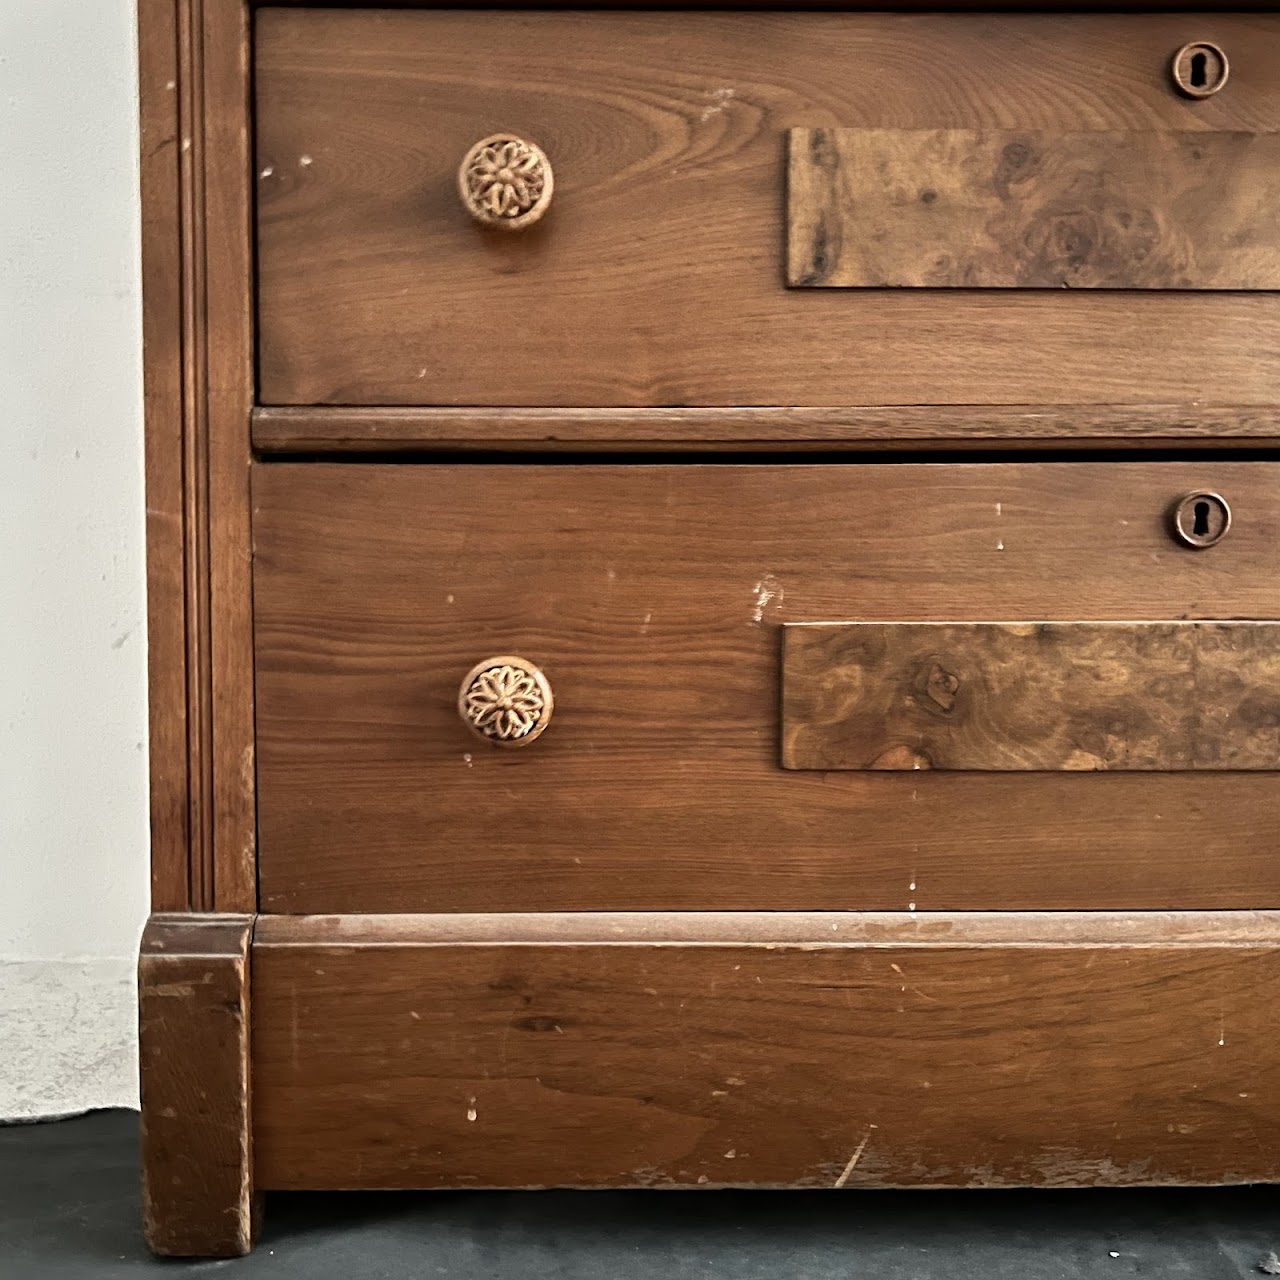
{"x": 1201, "y": 519}
{"x": 1200, "y": 69}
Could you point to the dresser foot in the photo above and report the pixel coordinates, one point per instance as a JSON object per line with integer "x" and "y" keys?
{"x": 197, "y": 1148}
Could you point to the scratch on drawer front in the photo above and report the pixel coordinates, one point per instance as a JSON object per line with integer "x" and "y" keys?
{"x": 853, "y": 1159}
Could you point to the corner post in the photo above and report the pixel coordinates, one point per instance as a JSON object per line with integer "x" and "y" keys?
{"x": 197, "y": 1135}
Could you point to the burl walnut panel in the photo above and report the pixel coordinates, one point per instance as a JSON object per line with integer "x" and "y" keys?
{"x": 1016, "y": 696}
{"x": 652, "y": 598}
{"x": 658, "y": 276}
{"x": 818, "y": 1051}
{"x": 1002, "y": 208}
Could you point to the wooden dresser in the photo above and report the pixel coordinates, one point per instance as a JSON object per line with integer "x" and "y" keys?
{"x": 715, "y": 599}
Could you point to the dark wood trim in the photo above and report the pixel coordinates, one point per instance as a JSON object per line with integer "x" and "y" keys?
{"x": 193, "y": 1029}
{"x": 286, "y": 430}
{"x": 195, "y": 140}
{"x": 776, "y": 929}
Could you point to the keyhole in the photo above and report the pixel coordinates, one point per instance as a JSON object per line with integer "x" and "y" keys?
{"x": 1201, "y": 519}
{"x": 1200, "y": 69}
{"x": 1201, "y": 526}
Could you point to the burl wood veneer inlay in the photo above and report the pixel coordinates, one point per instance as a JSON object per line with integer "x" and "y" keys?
{"x": 1160, "y": 696}
{"x": 998, "y": 208}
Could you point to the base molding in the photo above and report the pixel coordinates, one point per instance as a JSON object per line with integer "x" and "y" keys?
{"x": 824, "y": 1049}
{"x": 197, "y": 1140}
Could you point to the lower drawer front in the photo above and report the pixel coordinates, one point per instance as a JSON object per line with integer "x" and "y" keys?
{"x": 654, "y": 599}
{"x": 821, "y": 1050}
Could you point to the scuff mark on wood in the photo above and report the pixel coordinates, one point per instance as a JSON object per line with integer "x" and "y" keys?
{"x": 853, "y": 1159}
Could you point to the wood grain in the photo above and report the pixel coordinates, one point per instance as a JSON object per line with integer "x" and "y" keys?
{"x": 229, "y": 369}
{"x": 1141, "y": 696}
{"x": 1019, "y": 209}
{"x": 659, "y": 277}
{"x": 197, "y": 1148}
{"x": 193, "y": 61}
{"x": 652, "y": 597}
{"x": 865, "y": 929}
{"x": 339, "y": 430}
{"x": 1009, "y": 1052}
{"x": 170, "y": 539}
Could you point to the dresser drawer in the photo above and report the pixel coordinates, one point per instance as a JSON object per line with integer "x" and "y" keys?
{"x": 1043, "y": 161}
{"x": 693, "y": 760}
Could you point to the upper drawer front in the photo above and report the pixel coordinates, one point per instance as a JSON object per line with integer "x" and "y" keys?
{"x": 653, "y": 598}
{"x": 659, "y": 274}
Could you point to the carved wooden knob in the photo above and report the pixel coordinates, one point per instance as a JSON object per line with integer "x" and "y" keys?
{"x": 506, "y": 701}
{"x": 506, "y": 182}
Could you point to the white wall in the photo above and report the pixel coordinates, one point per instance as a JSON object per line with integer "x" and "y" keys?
{"x": 73, "y": 756}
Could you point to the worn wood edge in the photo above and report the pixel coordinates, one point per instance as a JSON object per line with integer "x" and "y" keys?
{"x": 172, "y": 948}
{"x": 297, "y": 429}
{"x": 219, "y": 934}
{"x": 805, "y": 929}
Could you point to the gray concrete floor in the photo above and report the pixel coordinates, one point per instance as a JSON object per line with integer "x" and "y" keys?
{"x": 69, "y": 1209}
